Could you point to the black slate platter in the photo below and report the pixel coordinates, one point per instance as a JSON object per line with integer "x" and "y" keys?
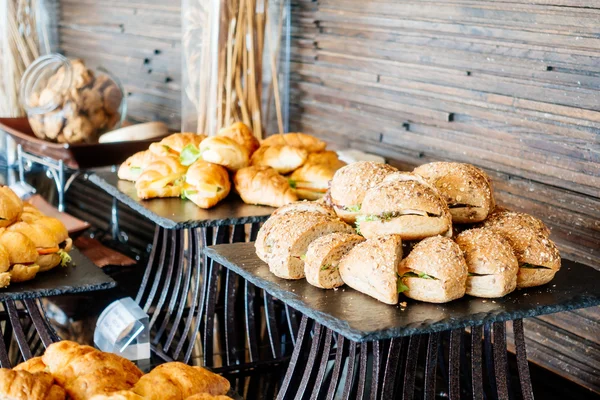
{"x": 81, "y": 275}
{"x": 362, "y": 318}
{"x": 175, "y": 213}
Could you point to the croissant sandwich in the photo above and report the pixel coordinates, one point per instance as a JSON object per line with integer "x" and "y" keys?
{"x": 263, "y": 185}
{"x": 206, "y": 184}
{"x": 311, "y": 181}
{"x": 23, "y": 385}
{"x": 466, "y": 189}
{"x": 242, "y": 134}
{"x": 327, "y": 158}
{"x": 302, "y": 140}
{"x": 22, "y": 255}
{"x": 350, "y": 184}
{"x": 491, "y": 263}
{"x": 131, "y": 169}
{"x": 435, "y": 271}
{"x": 406, "y": 205}
{"x": 174, "y": 144}
{"x": 161, "y": 178}
{"x": 283, "y": 159}
{"x": 11, "y": 206}
{"x": 224, "y": 151}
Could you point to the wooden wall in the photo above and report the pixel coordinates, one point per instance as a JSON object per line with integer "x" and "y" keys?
{"x": 511, "y": 86}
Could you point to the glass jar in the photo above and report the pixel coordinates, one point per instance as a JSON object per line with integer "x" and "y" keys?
{"x": 68, "y": 103}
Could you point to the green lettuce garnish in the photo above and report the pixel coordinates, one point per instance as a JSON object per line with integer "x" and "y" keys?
{"x": 186, "y": 193}
{"x": 292, "y": 183}
{"x": 303, "y": 257}
{"x": 354, "y": 208}
{"x": 401, "y": 286}
{"x": 189, "y": 155}
{"x": 65, "y": 258}
{"x": 417, "y": 275}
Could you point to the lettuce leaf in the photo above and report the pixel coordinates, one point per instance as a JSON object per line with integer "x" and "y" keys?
{"x": 65, "y": 258}
{"x": 189, "y": 155}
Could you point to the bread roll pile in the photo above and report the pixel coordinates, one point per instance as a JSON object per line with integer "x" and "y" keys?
{"x": 278, "y": 171}
{"x": 434, "y": 235}
{"x": 30, "y": 242}
{"x": 68, "y": 370}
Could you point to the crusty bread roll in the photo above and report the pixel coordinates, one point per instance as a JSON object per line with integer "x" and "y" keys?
{"x": 466, "y": 189}
{"x": 23, "y": 385}
{"x": 173, "y": 144}
{"x": 283, "y": 159}
{"x": 131, "y": 169}
{"x": 304, "y": 205}
{"x": 350, "y": 184}
{"x": 538, "y": 256}
{"x": 323, "y": 257}
{"x": 242, "y": 134}
{"x": 311, "y": 181}
{"x": 224, "y": 151}
{"x": 404, "y": 204}
{"x": 435, "y": 271}
{"x": 11, "y": 206}
{"x": 491, "y": 263}
{"x": 285, "y": 241}
{"x": 302, "y": 140}
{"x": 371, "y": 267}
{"x": 161, "y": 178}
{"x": 263, "y": 185}
{"x": 206, "y": 184}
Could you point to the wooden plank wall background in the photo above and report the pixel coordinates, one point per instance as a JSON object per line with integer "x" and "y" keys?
{"x": 512, "y": 86}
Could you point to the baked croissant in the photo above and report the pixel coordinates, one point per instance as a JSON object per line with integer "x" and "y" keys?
{"x": 224, "y": 151}
{"x": 283, "y": 159}
{"x": 328, "y": 158}
{"x": 84, "y": 371}
{"x": 4, "y": 267}
{"x": 22, "y": 255}
{"x": 206, "y": 396}
{"x": 131, "y": 169}
{"x": 23, "y": 385}
{"x": 263, "y": 185}
{"x": 161, "y": 178}
{"x": 32, "y": 365}
{"x": 242, "y": 134}
{"x": 206, "y": 184}
{"x": 11, "y": 206}
{"x": 30, "y": 213}
{"x": 302, "y": 140}
{"x": 173, "y": 144}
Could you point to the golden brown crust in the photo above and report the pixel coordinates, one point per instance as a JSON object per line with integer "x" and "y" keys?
{"x": 54, "y": 225}
{"x": 23, "y": 385}
{"x": 328, "y": 158}
{"x": 304, "y": 205}
{"x": 11, "y": 206}
{"x": 33, "y": 365}
{"x": 131, "y": 169}
{"x": 242, "y": 134}
{"x": 311, "y": 143}
{"x": 4, "y": 259}
{"x": 21, "y": 250}
{"x": 173, "y": 144}
{"x": 225, "y": 151}
{"x": 23, "y": 273}
{"x": 283, "y": 159}
{"x": 206, "y": 396}
{"x": 263, "y": 185}
{"x": 160, "y": 179}
{"x": 39, "y": 234}
{"x": 206, "y": 184}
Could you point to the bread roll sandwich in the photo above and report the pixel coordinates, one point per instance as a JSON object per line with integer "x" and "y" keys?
{"x": 22, "y": 255}
{"x": 371, "y": 267}
{"x": 302, "y": 140}
{"x": 174, "y": 144}
{"x": 304, "y": 205}
{"x": 283, "y": 159}
{"x": 224, "y": 151}
{"x": 491, "y": 263}
{"x": 242, "y": 134}
{"x": 161, "y": 178}
{"x": 311, "y": 181}
{"x": 349, "y": 186}
{"x": 131, "y": 169}
{"x": 404, "y": 204}
{"x": 206, "y": 184}
{"x": 323, "y": 258}
{"x": 538, "y": 256}
{"x": 11, "y": 206}
{"x": 435, "y": 271}
{"x": 263, "y": 185}
{"x": 466, "y": 189}
{"x": 285, "y": 240}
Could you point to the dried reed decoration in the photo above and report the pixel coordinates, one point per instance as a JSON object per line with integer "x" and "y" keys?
{"x": 19, "y": 47}
{"x": 225, "y": 67}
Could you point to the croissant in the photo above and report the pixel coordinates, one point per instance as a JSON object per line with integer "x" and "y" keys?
{"x": 173, "y": 144}
{"x": 283, "y": 159}
{"x": 30, "y": 213}
{"x": 22, "y": 255}
{"x": 161, "y": 178}
{"x": 84, "y": 371}
{"x": 303, "y": 140}
{"x": 131, "y": 169}
{"x": 224, "y": 151}
{"x": 242, "y": 134}
{"x": 263, "y": 185}
{"x": 23, "y": 385}
{"x": 32, "y": 365}
{"x": 206, "y": 184}
{"x": 328, "y": 158}
{"x": 206, "y": 396}
{"x": 11, "y": 206}
{"x": 120, "y": 395}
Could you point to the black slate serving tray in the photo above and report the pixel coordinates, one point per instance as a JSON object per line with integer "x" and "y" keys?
{"x": 361, "y": 318}
{"x": 81, "y": 275}
{"x": 175, "y": 213}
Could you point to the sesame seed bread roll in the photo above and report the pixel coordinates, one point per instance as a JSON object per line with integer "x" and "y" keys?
{"x": 538, "y": 256}
{"x": 323, "y": 257}
{"x": 435, "y": 271}
{"x": 371, "y": 267}
{"x": 351, "y": 183}
{"x": 491, "y": 262}
{"x": 466, "y": 189}
{"x": 304, "y": 205}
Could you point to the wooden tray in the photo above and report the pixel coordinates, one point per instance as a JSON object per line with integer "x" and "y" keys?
{"x": 175, "y": 213}
{"x": 75, "y": 156}
{"x": 362, "y": 318}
